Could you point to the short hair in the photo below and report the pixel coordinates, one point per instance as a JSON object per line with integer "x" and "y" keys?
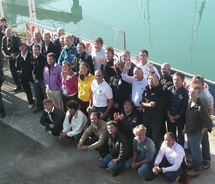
{"x": 126, "y": 52}
{"x": 85, "y": 64}
{"x": 62, "y": 36}
{"x": 65, "y": 62}
{"x": 138, "y": 128}
{"x": 3, "y": 19}
{"x": 196, "y": 87}
{"x": 129, "y": 101}
{"x": 99, "y": 70}
{"x": 61, "y": 29}
{"x": 172, "y": 135}
{"x": 110, "y": 49}
{"x": 36, "y": 45}
{"x": 180, "y": 74}
{"x": 114, "y": 123}
{"x": 37, "y": 32}
{"x": 98, "y": 40}
{"x": 96, "y": 113}
{"x": 198, "y": 78}
{"x": 137, "y": 68}
{"x": 82, "y": 45}
{"x": 72, "y": 104}
{"x": 152, "y": 76}
{"x": 46, "y": 33}
{"x": 8, "y": 29}
{"x": 47, "y": 100}
{"x": 144, "y": 51}
{"x": 51, "y": 54}
{"x": 68, "y": 37}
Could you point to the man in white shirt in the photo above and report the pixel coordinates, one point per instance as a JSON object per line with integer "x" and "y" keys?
{"x": 74, "y": 123}
{"x": 101, "y": 99}
{"x": 170, "y": 159}
{"x": 138, "y": 82}
{"x": 144, "y": 64}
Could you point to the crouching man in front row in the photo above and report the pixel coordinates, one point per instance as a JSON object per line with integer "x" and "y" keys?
{"x": 144, "y": 153}
{"x": 52, "y": 118}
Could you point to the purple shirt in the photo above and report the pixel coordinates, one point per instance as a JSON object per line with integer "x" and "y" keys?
{"x": 52, "y": 79}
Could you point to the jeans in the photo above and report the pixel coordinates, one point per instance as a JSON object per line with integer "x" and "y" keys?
{"x": 194, "y": 146}
{"x": 144, "y": 170}
{"x": 106, "y": 162}
{"x": 172, "y": 128}
{"x": 40, "y": 92}
{"x": 206, "y": 148}
{"x": 27, "y": 88}
{"x": 2, "y": 109}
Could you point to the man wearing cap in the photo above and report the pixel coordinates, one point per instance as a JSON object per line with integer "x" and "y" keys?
{"x": 207, "y": 98}
{"x": 24, "y": 71}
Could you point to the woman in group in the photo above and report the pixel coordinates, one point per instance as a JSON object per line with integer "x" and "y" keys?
{"x": 69, "y": 84}
{"x": 84, "y": 86}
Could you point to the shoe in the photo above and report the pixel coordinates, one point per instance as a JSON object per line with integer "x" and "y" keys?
{"x": 115, "y": 174}
{"x": 193, "y": 173}
{"x": 150, "y": 178}
{"x": 176, "y": 181}
{"x": 37, "y": 110}
{"x": 206, "y": 165}
{"x": 3, "y": 115}
{"x": 17, "y": 89}
{"x": 30, "y": 106}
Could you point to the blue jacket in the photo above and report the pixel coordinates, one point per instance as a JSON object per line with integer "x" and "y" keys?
{"x": 68, "y": 57}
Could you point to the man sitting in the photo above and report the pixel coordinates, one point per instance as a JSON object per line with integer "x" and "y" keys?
{"x": 74, "y": 123}
{"x": 52, "y": 118}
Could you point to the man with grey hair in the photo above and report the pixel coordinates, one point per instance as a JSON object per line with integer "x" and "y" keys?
{"x": 126, "y": 55}
{"x": 60, "y": 32}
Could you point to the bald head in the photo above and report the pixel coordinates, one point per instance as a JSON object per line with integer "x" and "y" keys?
{"x": 165, "y": 69}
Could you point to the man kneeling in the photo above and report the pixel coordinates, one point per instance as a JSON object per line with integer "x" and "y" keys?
{"x": 52, "y": 118}
{"x": 144, "y": 153}
{"x": 118, "y": 147}
{"x": 74, "y": 123}
{"x": 170, "y": 159}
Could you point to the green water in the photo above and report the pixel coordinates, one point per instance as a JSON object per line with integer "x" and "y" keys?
{"x": 180, "y": 32}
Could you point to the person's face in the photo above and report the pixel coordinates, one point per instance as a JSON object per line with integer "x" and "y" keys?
{"x": 98, "y": 76}
{"x": 165, "y": 71}
{"x": 37, "y": 37}
{"x": 68, "y": 42}
{"x": 62, "y": 42}
{"x": 169, "y": 141}
{"x": 193, "y": 94}
{"x": 2, "y": 23}
{"x": 59, "y": 34}
{"x": 48, "y": 106}
{"x": 71, "y": 111}
{"x": 108, "y": 55}
{"x": 66, "y": 68}
{"x": 127, "y": 107}
{"x": 177, "y": 82}
{"x": 98, "y": 46}
{"x": 23, "y": 47}
{"x": 141, "y": 135}
{"x": 46, "y": 39}
{"x": 80, "y": 49}
{"x": 143, "y": 57}
{"x": 198, "y": 83}
{"x": 150, "y": 81}
{"x": 36, "y": 51}
{"x": 9, "y": 33}
{"x": 138, "y": 74}
{"x": 50, "y": 60}
{"x": 84, "y": 70}
{"x": 111, "y": 129}
{"x": 94, "y": 120}
{"x": 125, "y": 57}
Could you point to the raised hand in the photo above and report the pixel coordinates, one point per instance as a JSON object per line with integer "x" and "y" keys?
{"x": 150, "y": 67}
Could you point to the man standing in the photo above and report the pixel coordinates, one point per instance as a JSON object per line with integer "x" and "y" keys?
{"x": 126, "y": 55}
{"x": 197, "y": 122}
{"x": 38, "y": 61}
{"x": 24, "y": 70}
{"x": 60, "y": 32}
{"x": 3, "y": 27}
{"x": 10, "y": 49}
{"x": 176, "y": 100}
{"x": 144, "y": 64}
{"x": 52, "y": 80}
{"x": 52, "y": 118}
{"x": 2, "y": 109}
{"x": 207, "y": 98}
{"x": 37, "y": 40}
{"x": 74, "y": 123}
{"x": 101, "y": 99}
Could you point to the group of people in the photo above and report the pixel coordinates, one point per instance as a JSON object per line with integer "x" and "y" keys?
{"x": 129, "y": 113}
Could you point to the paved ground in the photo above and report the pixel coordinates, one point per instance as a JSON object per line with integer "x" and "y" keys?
{"x": 29, "y": 155}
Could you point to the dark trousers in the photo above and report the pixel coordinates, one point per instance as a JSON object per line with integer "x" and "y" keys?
{"x": 14, "y": 73}
{"x": 27, "y": 88}
{"x": 83, "y": 106}
{"x": 206, "y": 147}
{"x": 2, "y": 109}
{"x": 67, "y": 99}
{"x": 40, "y": 92}
{"x": 56, "y": 130}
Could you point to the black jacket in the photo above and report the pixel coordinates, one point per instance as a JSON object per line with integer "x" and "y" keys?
{"x": 166, "y": 82}
{"x": 51, "y": 48}
{"x": 38, "y": 66}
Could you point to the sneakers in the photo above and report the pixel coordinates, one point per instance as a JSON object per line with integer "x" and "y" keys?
{"x": 206, "y": 165}
{"x": 30, "y": 106}
{"x": 17, "y": 89}
{"x": 37, "y": 110}
{"x": 193, "y": 173}
{"x": 176, "y": 181}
